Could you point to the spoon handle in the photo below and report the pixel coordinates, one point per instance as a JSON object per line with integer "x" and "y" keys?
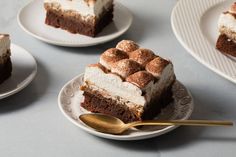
{"x": 181, "y": 122}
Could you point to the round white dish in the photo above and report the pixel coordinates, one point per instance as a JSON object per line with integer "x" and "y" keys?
{"x": 24, "y": 69}
{"x": 70, "y": 97}
{"x": 194, "y": 23}
{"x": 31, "y": 19}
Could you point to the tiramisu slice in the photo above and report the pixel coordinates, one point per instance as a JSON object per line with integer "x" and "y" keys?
{"x": 226, "y": 42}
{"x": 5, "y": 60}
{"x": 87, "y": 17}
{"x": 129, "y": 82}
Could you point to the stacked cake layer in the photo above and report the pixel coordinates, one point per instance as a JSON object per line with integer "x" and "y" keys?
{"x": 129, "y": 82}
{"x": 87, "y": 17}
{"x": 5, "y": 60}
{"x": 227, "y": 27}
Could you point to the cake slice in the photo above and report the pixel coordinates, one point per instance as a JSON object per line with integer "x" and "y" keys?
{"x": 5, "y": 60}
{"x": 226, "y": 42}
{"x": 87, "y": 17}
{"x": 129, "y": 82}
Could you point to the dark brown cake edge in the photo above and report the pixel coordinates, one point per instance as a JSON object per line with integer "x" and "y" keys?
{"x": 96, "y": 103}
{"x": 225, "y": 45}
{"x": 73, "y": 25}
{"x": 155, "y": 106}
{"x": 5, "y": 70}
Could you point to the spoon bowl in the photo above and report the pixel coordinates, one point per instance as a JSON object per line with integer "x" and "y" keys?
{"x": 104, "y": 123}
{"x": 112, "y": 125}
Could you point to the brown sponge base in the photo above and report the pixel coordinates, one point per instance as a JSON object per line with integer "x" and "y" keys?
{"x": 78, "y": 25}
{"x": 226, "y": 46}
{"x": 97, "y": 103}
{"x": 5, "y": 70}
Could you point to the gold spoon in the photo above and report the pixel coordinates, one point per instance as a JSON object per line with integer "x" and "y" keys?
{"x": 112, "y": 125}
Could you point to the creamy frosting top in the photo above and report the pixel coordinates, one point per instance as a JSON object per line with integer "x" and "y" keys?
{"x": 233, "y": 8}
{"x": 111, "y": 56}
{"x": 4, "y": 43}
{"x": 125, "y": 67}
{"x": 142, "y": 56}
{"x": 141, "y": 79}
{"x": 138, "y": 88}
{"x": 228, "y": 19}
{"x": 127, "y": 46}
{"x": 84, "y": 7}
{"x": 135, "y": 76}
{"x": 156, "y": 66}
{"x": 114, "y": 85}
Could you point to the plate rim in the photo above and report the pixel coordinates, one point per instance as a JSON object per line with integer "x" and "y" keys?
{"x": 69, "y": 44}
{"x": 117, "y": 137}
{"x": 29, "y": 78}
{"x": 190, "y": 51}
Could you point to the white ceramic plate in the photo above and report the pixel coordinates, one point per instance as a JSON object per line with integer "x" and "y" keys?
{"x": 70, "y": 97}
{"x": 194, "y": 23}
{"x": 31, "y": 19}
{"x": 24, "y": 69}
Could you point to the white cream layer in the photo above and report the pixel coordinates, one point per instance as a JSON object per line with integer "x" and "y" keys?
{"x": 83, "y": 8}
{"x": 227, "y": 20}
{"x": 4, "y": 44}
{"x": 116, "y": 87}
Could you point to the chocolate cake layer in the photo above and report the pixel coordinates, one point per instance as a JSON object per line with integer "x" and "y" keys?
{"x": 226, "y": 45}
{"x": 76, "y": 24}
{"x": 97, "y": 103}
{"x": 5, "y": 70}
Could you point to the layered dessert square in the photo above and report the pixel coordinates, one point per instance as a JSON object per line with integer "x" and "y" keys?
{"x": 129, "y": 82}
{"x": 86, "y": 17}
{"x": 226, "y": 42}
{"x": 5, "y": 60}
